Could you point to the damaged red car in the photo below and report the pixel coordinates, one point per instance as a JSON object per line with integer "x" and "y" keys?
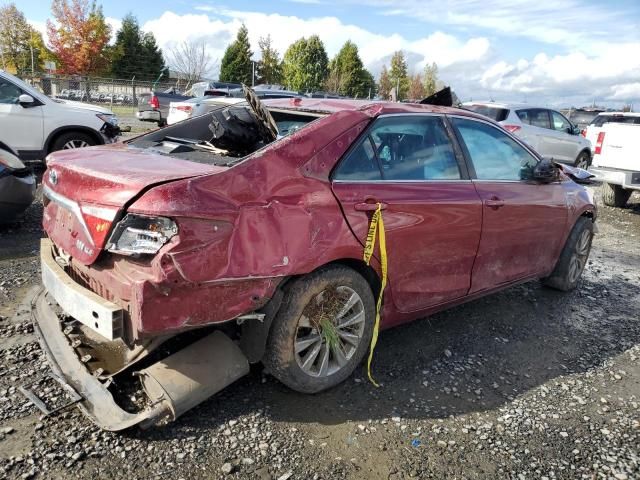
{"x": 176, "y": 259}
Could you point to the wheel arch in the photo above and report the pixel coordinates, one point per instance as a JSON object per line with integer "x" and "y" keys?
{"x": 55, "y": 134}
{"x": 586, "y": 150}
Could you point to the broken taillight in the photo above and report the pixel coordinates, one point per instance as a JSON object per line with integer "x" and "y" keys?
{"x": 154, "y": 102}
{"x": 98, "y": 220}
{"x": 512, "y": 128}
{"x": 599, "y": 142}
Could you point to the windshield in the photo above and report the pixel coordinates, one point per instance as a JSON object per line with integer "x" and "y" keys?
{"x": 494, "y": 113}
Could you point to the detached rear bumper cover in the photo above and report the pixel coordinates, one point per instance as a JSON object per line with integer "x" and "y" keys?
{"x": 98, "y": 403}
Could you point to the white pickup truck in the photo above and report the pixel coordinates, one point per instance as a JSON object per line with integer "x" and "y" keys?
{"x": 616, "y": 162}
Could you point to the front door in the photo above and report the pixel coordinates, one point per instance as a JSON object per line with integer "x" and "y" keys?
{"x": 21, "y": 128}
{"x": 432, "y": 212}
{"x": 523, "y": 221}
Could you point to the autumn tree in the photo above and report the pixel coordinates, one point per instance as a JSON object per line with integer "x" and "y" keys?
{"x": 79, "y": 36}
{"x": 430, "y": 79}
{"x": 416, "y": 87}
{"x": 384, "y": 84}
{"x": 398, "y": 75}
{"x": 305, "y": 65}
{"x": 22, "y": 49}
{"x": 135, "y": 53}
{"x": 190, "y": 60}
{"x": 347, "y": 75}
{"x": 236, "y": 63}
{"x": 269, "y": 66}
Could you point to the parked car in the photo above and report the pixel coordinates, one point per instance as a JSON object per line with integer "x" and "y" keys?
{"x": 17, "y": 186}
{"x": 596, "y": 126}
{"x": 582, "y": 117}
{"x": 179, "y": 111}
{"x": 245, "y": 229}
{"x": 547, "y": 131}
{"x": 35, "y": 125}
{"x": 154, "y": 106}
{"x": 616, "y": 161}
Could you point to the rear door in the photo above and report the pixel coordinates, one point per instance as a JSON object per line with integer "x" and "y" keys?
{"x": 523, "y": 221}
{"x": 432, "y": 213}
{"x": 536, "y": 128}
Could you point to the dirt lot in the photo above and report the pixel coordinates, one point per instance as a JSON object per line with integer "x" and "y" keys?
{"x": 528, "y": 383}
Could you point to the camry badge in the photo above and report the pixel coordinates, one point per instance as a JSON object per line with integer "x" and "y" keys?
{"x": 53, "y": 177}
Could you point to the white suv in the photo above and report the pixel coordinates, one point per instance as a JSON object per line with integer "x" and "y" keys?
{"x": 547, "y": 131}
{"x": 34, "y": 125}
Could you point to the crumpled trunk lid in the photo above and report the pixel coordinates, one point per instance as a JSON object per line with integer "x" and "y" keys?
{"x": 86, "y": 190}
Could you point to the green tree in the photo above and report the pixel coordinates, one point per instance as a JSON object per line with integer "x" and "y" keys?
{"x": 384, "y": 84}
{"x": 305, "y": 65}
{"x": 398, "y": 75}
{"x": 430, "y": 79}
{"x": 135, "y": 53}
{"x": 368, "y": 84}
{"x": 347, "y": 75}
{"x": 236, "y": 63}
{"x": 269, "y": 66}
{"x": 21, "y": 47}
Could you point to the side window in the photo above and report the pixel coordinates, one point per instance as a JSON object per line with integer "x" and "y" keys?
{"x": 412, "y": 147}
{"x": 559, "y": 122}
{"x": 535, "y": 117}
{"x": 494, "y": 154}
{"x": 9, "y": 93}
{"x": 360, "y": 163}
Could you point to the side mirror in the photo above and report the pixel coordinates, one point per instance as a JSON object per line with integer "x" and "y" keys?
{"x": 26, "y": 100}
{"x": 545, "y": 171}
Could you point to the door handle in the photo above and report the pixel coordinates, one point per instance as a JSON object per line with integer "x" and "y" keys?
{"x": 494, "y": 202}
{"x": 369, "y": 206}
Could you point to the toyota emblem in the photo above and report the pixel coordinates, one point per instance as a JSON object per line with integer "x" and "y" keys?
{"x": 53, "y": 177}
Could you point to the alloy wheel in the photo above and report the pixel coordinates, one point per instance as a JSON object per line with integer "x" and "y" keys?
{"x": 75, "y": 144}
{"x": 329, "y": 331}
{"x": 580, "y": 255}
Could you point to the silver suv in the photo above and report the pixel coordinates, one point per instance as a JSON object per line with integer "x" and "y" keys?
{"x": 547, "y": 131}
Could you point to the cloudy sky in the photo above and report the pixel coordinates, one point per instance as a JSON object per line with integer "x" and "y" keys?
{"x": 561, "y": 53}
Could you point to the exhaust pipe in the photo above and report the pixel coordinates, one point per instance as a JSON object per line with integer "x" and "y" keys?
{"x": 188, "y": 377}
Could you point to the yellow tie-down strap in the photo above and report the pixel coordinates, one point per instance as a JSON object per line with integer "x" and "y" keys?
{"x": 376, "y": 226}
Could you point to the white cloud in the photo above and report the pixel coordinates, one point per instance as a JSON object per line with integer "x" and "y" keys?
{"x": 218, "y": 27}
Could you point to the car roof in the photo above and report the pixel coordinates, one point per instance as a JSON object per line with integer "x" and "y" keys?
{"x": 371, "y": 107}
{"x": 501, "y": 105}
{"x": 620, "y": 114}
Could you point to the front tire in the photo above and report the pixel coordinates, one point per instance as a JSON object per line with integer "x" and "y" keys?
{"x": 322, "y": 330}
{"x": 615, "y": 195}
{"x": 72, "y": 140}
{"x": 573, "y": 257}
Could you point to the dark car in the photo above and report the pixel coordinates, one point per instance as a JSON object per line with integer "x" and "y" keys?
{"x": 238, "y": 237}
{"x": 17, "y": 186}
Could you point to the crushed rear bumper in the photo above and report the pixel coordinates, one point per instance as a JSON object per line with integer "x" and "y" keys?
{"x": 97, "y": 401}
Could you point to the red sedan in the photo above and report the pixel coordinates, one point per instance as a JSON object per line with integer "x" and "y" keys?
{"x": 238, "y": 236}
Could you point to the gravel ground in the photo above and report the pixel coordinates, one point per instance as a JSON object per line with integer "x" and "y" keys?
{"x": 527, "y": 383}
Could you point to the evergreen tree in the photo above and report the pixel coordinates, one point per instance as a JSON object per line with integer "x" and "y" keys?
{"x": 384, "y": 84}
{"x": 398, "y": 75}
{"x": 21, "y": 46}
{"x": 236, "y": 63}
{"x": 305, "y": 65}
{"x": 347, "y": 74}
{"x": 269, "y": 66}
{"x": 430, "y": 79}
{"x": 135, "y": 53}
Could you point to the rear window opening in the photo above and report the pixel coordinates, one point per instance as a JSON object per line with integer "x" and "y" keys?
{"x": 225, "y": 135}
{"x": 600, "y": 120}
{"x": 497, "y": 114}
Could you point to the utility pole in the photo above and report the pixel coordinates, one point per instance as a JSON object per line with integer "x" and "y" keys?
{"x": 253, "y": 73}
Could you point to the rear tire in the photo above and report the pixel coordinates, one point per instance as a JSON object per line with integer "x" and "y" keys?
{"x": 615, "y": 195}
{"x": 583, "y": 160}
{"x": 311, "y": 346}
{"x": 573, "y": 258}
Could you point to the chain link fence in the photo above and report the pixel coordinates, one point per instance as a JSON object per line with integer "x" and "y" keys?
{"x": 119, "y": 95}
